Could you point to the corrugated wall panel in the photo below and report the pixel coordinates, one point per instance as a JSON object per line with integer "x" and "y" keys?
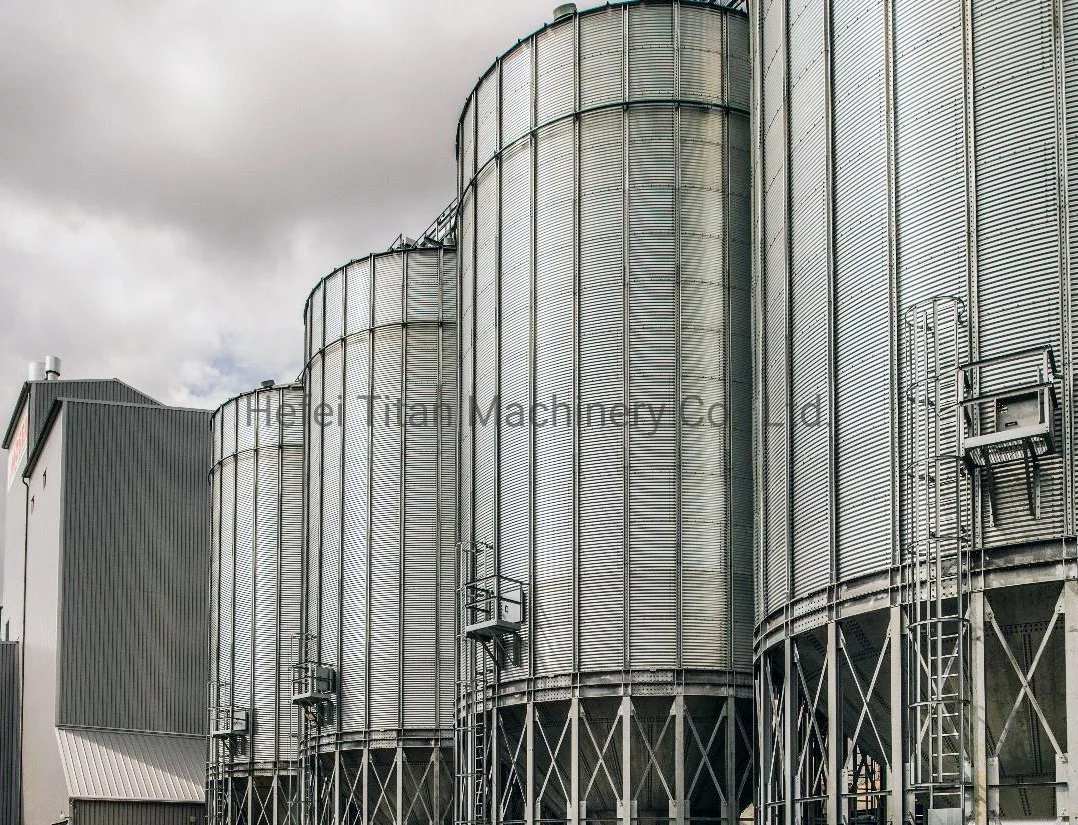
{"x": 384, "y": 511}
{"x": 120, "y": 540}
{"x": 632, "y": 247}
{"x": 420, "y": 681}
{"x": 654, "y": 497}
{"x": 704, "y": 377}
{"x": 10, "y": 749}
{"x": 1018, "y": 251}
{"x": 137, "y": 813}
{"x": 553, "y": 618}
{"x": 355, "y": 530}
{"x": 809, "y": 326}
{"x": 515, "y": 525}
{"x": 602, "y": 389}
{"x": 386, "y": 548}
{"x": 863, "y": 326}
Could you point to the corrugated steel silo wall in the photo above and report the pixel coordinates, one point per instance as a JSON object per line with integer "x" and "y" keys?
{"x": 381, "y": 498}
{"x": 256, "y": 581}
{"x": 604, "y": 241}
{"x": 887, "y": 136}
{"x": 135, "y": 551}
{"x": 10, "y": 716}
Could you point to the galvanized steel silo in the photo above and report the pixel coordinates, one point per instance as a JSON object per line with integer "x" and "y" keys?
{"x": 604, "y": 241}
{"x": 255, "y": 594}
{"x": 381, "y": 383}
{"x": 914, "y": 297}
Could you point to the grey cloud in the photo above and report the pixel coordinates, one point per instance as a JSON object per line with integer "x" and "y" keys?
{"x": 175, "y": 176}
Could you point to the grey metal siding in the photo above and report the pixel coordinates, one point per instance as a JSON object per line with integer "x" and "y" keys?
{"x": 604, "y": 241}
{"x": 381, "y": 497}
{"x": 10, "y": 751}
{"x": 256, "y": 585}
{"x": 134, "y": 563}
{"x": 44, "y": 393}
{"x": 940, "y": 132}
{"x": 135, "y": 813}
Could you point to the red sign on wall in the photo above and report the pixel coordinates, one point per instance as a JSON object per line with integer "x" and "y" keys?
{"x": 17, "y": 449}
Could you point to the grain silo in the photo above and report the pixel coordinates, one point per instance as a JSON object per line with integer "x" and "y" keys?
{"x": 255, "y": 592}
{"x": 606, "y": 514}
{"x": 917, "y": 606}
{"x": 377, "y": 682}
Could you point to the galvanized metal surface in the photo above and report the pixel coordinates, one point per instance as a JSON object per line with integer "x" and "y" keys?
{"x": 381, "y": 499}
{"x": 604, "y": 236}
{"x": 135, "y": 513}
{"x": 256, "y": 579}
{"x": 604, "y": 242}
{"x": 115, "y": 765}
{"x": 905, "y": 151}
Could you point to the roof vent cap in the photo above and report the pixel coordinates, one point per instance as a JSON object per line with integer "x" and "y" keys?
{"x": 52, "y": 368}
{"x": 268, "y": 384}
{"x": 564, "y": 10}
{"x": 35, "y": 371}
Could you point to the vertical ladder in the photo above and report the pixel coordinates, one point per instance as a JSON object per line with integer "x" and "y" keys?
{"x": 474, "y": 732}
{"x": 937, "y": 574}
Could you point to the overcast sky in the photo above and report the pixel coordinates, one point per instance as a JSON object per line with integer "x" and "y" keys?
{"x": 175, "y": 175}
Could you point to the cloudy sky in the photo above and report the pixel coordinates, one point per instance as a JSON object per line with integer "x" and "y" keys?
{"x": 175, "y": 175}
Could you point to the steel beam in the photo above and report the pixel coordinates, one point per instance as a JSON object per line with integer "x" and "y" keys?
{"x": 835, "y": 782}
{"x": 898, "y": 756}
{"x": 1070, "y": 613}
{"x": 789, "y": 730}
{"x": 978, "y": 707}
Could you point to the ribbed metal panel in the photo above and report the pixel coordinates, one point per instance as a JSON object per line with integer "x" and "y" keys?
{"x": 606, "y": 259}
{"x": 136, "y": 511}
{"x": 903, "y": 155}
{"x": 134, "y": 813}
{"x": 255, "y": 572}
{"x": 121, "y": 765}
{"x": 10, "y": 750}
{"x": 381, "y": 498}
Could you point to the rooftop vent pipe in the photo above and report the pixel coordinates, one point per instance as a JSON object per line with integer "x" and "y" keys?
{"x": 36, "y": 371}
{"x": 52, "y": 368}
{"x": 564, "y": 10}
{"x": 268, "y": 384}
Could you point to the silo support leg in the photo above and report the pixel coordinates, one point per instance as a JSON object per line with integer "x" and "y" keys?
{"x": 529, "y": 767}
{"x": 897, "y": 768}
{"x": 835, "y": 782}
{"x": 679, "y": 759}
{"x": 1070, "y": 612}
{"x": 789, "y": 728}
{"x": 978, "y": 708}
{"x": 398, "y": 791}
{"x": 733, "y": 796}
{"x": 574, "y": 761}
{"x": 626, "y": 713}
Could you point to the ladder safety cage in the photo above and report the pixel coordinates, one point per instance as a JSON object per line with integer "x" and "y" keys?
{"x": 492, "y": 615}
{"x": 937, "y": 562}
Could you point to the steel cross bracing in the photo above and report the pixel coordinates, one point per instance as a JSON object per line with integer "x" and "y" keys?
{"x": 937, "y": 570}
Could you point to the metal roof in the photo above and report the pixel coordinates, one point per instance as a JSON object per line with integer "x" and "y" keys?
{"x": 143, "y": 767}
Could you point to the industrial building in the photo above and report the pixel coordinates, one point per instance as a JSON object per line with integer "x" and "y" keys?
{"x": 710, "y": 459}
{"x": 917, "y": 602}
{"x": 103, "y": 667}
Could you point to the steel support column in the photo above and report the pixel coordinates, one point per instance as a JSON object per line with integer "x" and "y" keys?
{"x": 1070, "y": 612}
{"x": 678, "y": 709}
{"x": 978, "y": 709}
{"x": 898, "y": 752}
{"x": 626, "y": 713}
{"x": 836, "y": 784}
{"x": 789, "y": 734}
